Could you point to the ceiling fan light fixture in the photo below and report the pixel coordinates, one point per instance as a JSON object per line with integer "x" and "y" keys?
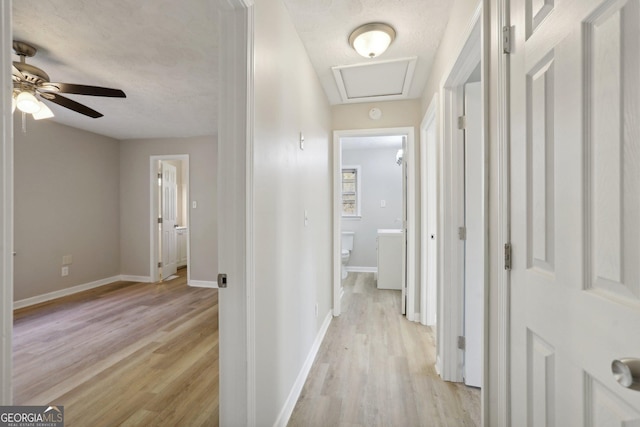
{"x": 372, "y": 40}
{"x": 44, "y": 112}
{"x": 27, "y": 103}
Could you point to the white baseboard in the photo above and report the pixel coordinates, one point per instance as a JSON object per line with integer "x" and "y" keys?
{"x": 203, "y": 284}
{"x": 63, "y": 292}
{"x": 141, "y": 279}
{"x": 287, "y": 409}
{"x": 357, "y": 269}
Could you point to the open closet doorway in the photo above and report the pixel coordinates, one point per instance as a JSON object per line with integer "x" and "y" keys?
{"x": 462, "y": 249}
{"x": 170, "y": 230}
{"x": 379, "y": 239}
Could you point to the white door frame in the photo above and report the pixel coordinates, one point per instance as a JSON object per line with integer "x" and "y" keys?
{"x": 154, "y": 214}
{"x": 235, "y": 211}
{"x": 411, "y": 209}
{"x": 496, "y": 403}
{"x": 6, "y": 207}
{"x": 450, "y": 321}
{"x": 428, "y": 288}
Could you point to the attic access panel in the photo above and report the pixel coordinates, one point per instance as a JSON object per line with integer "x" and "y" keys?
{"x": 375, "y": 81}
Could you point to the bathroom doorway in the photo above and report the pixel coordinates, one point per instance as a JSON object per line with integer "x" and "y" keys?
{"x": 170, "y": 231}
{"x": 374, "y": 184}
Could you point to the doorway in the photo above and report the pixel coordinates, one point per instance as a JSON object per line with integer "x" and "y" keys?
{"x": 463, "y": 260}
{"x": 405, "y": 222}
{"x": 170, "y": 231}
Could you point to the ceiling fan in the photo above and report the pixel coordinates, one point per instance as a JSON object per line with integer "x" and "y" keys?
{"x": 30, "y": 81}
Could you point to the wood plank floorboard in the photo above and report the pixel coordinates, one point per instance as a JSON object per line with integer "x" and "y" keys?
{"x": 131, "y": 354}
{"x": 375, "y": 368}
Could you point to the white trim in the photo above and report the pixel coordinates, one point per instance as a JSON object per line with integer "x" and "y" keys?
{"x": 408, "y": 80}
{"x": 235, "y": 240}
{"x": 496, "y": 400}
{"x": 140, "y": 279}
{"x": 154, "y": 214}
{"x": 64, "y": 292}
{"x": 357, "y": 269}
{"x": 428, "y": 310}
{"x": 203, "y": 284}
{"x": 411, "y": 215}
{"x": 6, "y": 208}
{"x": 338, "y": 290}
{"x": 450, "y": 321}
{"x": 294, "y": 394}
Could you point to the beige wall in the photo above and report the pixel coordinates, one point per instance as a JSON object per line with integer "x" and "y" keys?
{"x": 394, "y": 114}
{"x": 135, "y": 195}
{"x": 67, "y": 202}
{"x": 87, "y": 195}
{"x": 293, "y": 262}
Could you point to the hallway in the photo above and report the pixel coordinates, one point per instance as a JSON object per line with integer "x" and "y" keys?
{"x": 376, "y": 368}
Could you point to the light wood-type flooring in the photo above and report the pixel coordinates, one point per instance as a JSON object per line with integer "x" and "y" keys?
{"x": 375, "y": 368}
{"x": 130, "y": 354}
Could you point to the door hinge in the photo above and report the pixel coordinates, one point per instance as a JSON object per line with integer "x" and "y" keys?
{"x": 222, "y": 280}
{"x": 462, "y": 233}
{"x": 160, "y": 264}
{"x": 159, "y": 220}
{"x": 506, "y": 39}
{"x": 507, "y": 256}
{"x": 462, "y": 122}
{"x": 159, "y": 175}
{"x": 461, "y": 343}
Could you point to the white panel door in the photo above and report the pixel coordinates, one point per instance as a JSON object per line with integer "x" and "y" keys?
{"x": 169, "y": 217}
{"x": 575, "y": 210}
{"x": 474, "y": 243}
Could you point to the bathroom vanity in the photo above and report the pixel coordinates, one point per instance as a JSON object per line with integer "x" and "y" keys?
{"x": 390, "y": 259}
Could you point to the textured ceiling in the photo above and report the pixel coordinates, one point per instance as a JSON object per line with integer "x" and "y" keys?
{"x": 325, "y": 25}
{"x": 161, "y": 53}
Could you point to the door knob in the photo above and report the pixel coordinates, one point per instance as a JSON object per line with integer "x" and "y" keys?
{"x": 627, "y": 372}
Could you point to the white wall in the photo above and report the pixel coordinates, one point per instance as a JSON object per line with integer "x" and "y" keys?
{"x": 293, "y": 262}
{"x": 450, "y": 45}
{"x": 134, "y": 202}
{"x": 66, "y": 203}
{"x": 381, "y": 179}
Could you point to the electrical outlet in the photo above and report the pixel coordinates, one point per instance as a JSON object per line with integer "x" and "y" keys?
{"x": 65, "y": 271}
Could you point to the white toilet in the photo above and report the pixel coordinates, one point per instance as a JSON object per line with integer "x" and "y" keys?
{"x": 346, "y": 246}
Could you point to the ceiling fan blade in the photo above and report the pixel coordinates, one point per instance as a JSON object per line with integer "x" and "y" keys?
{"x": 83, "y": 89}
{"x": 17, "y": 72}
{"x": 71, "y": 104}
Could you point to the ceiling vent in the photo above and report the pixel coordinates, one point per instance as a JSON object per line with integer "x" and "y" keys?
{"x": 375, "y": 81}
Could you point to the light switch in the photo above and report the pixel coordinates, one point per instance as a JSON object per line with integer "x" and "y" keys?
{"x": 194, "y": 204}
{"x": 383, "y": 203}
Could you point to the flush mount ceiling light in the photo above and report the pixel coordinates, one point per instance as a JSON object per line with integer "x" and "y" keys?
{"x": 371, "y": 40}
